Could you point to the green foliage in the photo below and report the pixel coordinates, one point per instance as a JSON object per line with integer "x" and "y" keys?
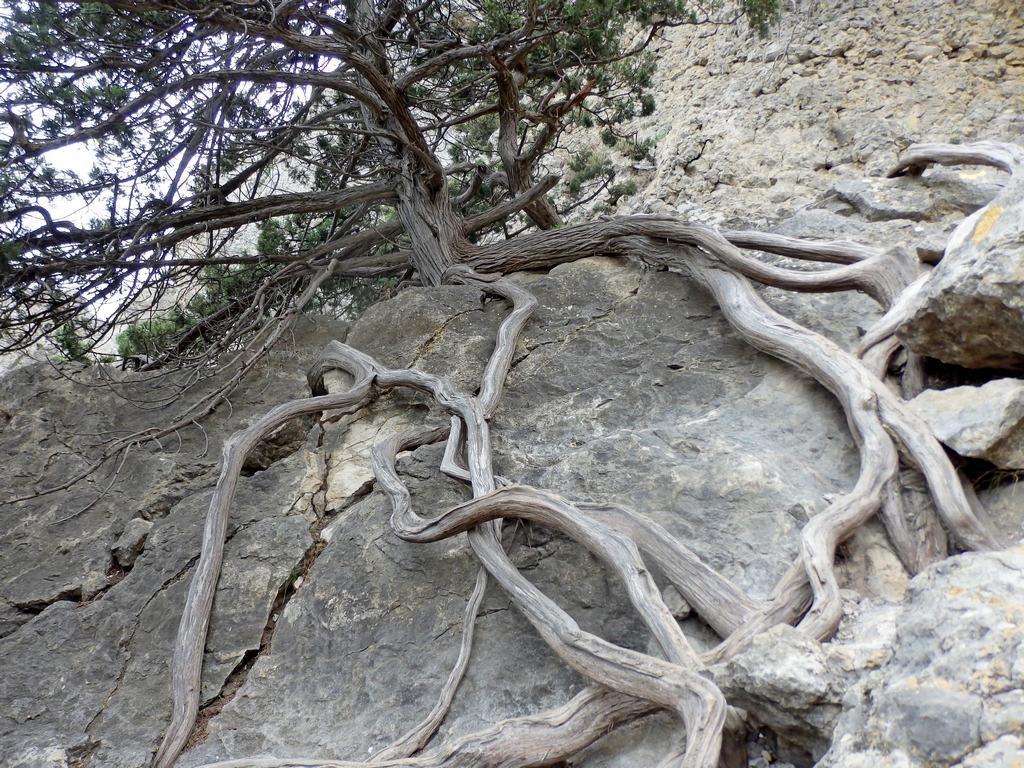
{"x": 150, "y": 337}
{"x": 8, "y": 252}
{"x": 639, "y": 149}
{"x": 272, "y": 239}
{"x": 630, "y": 146}
{"x": 222, "y": 289}
{"x": 70, "y": 344}
{"x": 761, "y": 14}
{"x": 623, "y": 189}
{"x": 349, "y": 297}
{"x": 588, "y": 166}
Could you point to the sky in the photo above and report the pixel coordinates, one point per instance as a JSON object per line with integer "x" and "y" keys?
{"x": 77, "y": 158}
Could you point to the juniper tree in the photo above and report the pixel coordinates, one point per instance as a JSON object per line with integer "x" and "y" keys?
{"x": 365, "y": 138}
{"x": 382, "y": 140}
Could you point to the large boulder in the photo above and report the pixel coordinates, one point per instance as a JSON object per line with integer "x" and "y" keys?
{"x": 971, "y": 310}
{"x": 952, "y": 691}
{"x": 629, "y": 387}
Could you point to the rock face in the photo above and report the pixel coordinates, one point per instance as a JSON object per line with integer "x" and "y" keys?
{"x": 93, "y": 579}
{"x": 630, "y": 387}
{"x": 786, "y": 682}
{"x": 971, "y": 310}
{"x": 757, "y": 131}
{"x": 638, "y": 394}
{"x": 635, "y": 391}
{"x": 761, "y": 129}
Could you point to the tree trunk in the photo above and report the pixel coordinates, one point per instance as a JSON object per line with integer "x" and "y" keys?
{"x": 424, "y": 207}
{"x": 433, "y": 226}
{"x": 517, "y": 170}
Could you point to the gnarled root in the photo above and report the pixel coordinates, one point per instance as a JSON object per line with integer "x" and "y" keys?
{"x": 628, "y": 683}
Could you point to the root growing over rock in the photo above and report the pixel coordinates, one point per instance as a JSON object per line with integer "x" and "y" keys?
{"x": 626, "y": 684}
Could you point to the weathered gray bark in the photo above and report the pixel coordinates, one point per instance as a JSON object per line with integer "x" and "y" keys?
{"x": 518, "y": 164}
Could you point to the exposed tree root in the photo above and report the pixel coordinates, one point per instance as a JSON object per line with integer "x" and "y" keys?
{"x": 417, "y": 737}
{"x": 627, "y": 683}
{"x": 871, "y": 410}
{"x": 188, "y": 650}
{"x": 1006, "y": 157}
{"x": 834, "y": 251}
{"x": 536, "y": 740}
{"x": 718, "y": 601}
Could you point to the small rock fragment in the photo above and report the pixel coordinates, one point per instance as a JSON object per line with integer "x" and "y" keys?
{"x": 676, "y": 603}
{"x": 130, "y": 544}
{"x": 785, "y": 681}
{"x": 933, "y": 723}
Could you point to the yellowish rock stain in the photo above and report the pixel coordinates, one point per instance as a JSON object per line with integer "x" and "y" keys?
{"x": 986, "y": 223}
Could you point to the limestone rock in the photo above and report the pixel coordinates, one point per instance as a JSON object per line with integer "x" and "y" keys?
{"x": 86, "y": 646}
{"x": 870, "y": 567}
{"x": 880, "y": 202}
{"x": 633, "y": 391}
{"x": 926, "y": 199}
{"x": 130, "y": 543}
{"x": 1005, "y": 502}
{"x": 931, "y": 247}
{"x": 985, "y": 422}
{"x": 676, "y": 603}
{"x": 971, "y": 311}
{"x": 952, "y": 690}
{"x": 784, "y": 681}
{"x": 1005, "y": 752}
{"x": 829, "y": 98}
{"x": 935, "y": 724}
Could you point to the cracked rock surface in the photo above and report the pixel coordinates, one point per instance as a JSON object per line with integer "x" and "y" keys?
{"x": 953, "y": 692}
{"x": 330, "y": 636}
{"x": 369, "y": 633}
{"x": 92, "y": 594}
{"x": 628, "y": 387}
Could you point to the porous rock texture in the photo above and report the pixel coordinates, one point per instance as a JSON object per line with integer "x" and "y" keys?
{"x": 756, "y": 131}
{"x": 761, "y": 129}
{"x": 952, "y": 690}
{"x": 330, "y": 636}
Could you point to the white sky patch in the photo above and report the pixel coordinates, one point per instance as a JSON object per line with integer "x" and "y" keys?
{"x": 76, "y": 209}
